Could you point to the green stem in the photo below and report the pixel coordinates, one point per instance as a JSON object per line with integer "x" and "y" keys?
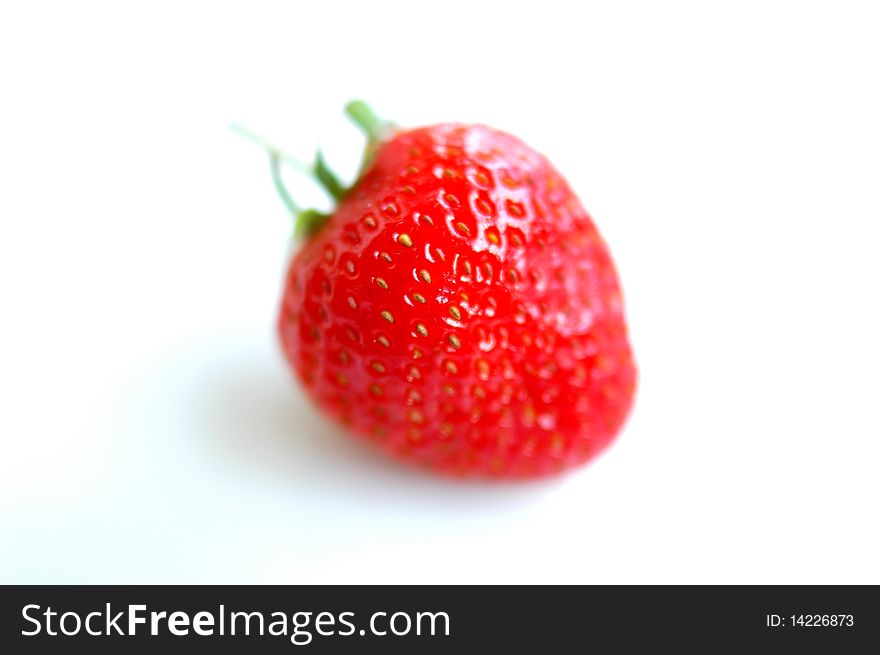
{"x": 375, "y": 129}
{"x": 327, "y": 178}
{"x": 366, "y": 119}
{"x": 305, "y": 221}
{"x": 280, "y": 187}
{"x": 272, "y": 149}
{"x": 318, "y": 171}
{"x": 309, "y": 221}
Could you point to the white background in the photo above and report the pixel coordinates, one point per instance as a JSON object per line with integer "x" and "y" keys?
{"x": 730, "y": 153}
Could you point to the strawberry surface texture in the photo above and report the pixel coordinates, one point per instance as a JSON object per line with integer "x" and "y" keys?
{"x": 460, "y": 310}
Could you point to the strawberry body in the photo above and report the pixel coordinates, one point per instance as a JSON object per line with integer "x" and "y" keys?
{"x": 460, "y": 309}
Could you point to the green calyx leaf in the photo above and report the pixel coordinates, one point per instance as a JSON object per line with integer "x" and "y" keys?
{"x": 308, "y": 221}
{"x": 364, "y": 117}
{"x": 374, "y": 128}
{"x": 327, "y": 178}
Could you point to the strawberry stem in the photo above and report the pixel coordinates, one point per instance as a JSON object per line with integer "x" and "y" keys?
{"x": 327, "y": 178}
{"x": 374, "y": 128}
{"x": 366, "y": 119}
{"x": 272, "y": 149}
{"x": 280, "y": 187}
{"x": 306, "y": 221}
{"x": 309, "y": 221}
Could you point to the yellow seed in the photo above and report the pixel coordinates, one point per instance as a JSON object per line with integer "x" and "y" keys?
{"x": 451, "y": 367}
{"x": 454, "y": 340}
{"x": 343, "y": 357}
{"x": 352, "y": 302}
{"x": 379, "y": 367}
{"x": 383, "y": 340}
{"x": 414, "y": 373}
{"x": 386, "y": 257}
{"x": 404, "y": 240}
{"x": 425, "y": 276}
{"x": 515, "y": 209}
{"x": 454, "y": 312}
{"x": 349, "y": 266}
{"x": 376, "y": 390}
{"x": 446, "y": 429}
{"x": 387, "y": 315}
{"x": 421, "y": 329}
{"x": 415, "y": 416}
{"x": 416, "y": 353}
{"x": 427, "y": 219}
{"x": 419, "y": 298}
{"x": 449, "y": 389}
{"x": 492, "y": 237}
{"x": 369, "y": 221}
{"x": 381, "y": 282}
{"x": 461, "y": 227}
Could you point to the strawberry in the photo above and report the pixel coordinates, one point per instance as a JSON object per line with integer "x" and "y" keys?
{"x": 459, "y": 308}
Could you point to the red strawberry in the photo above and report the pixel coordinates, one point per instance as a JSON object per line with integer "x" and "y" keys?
{"x": 459, "y": 308}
